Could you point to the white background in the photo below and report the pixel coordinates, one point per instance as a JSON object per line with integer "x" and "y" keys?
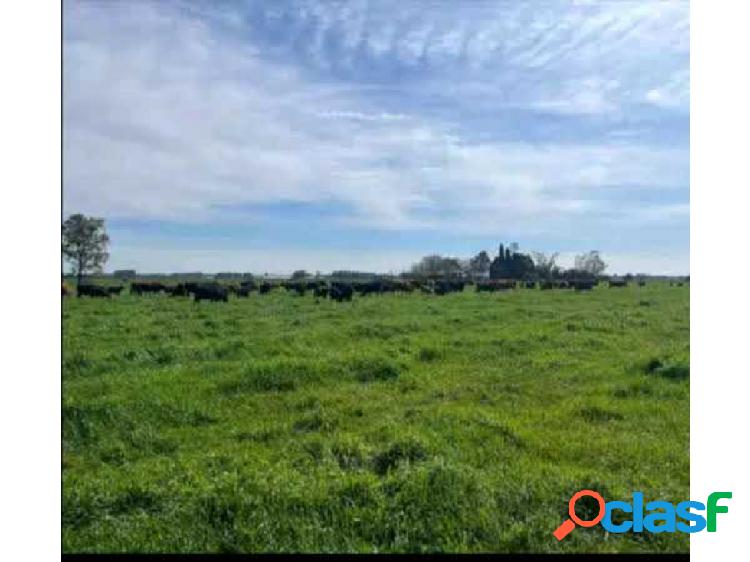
{"x": 29, "y": 282}
{"x": 30, "y": 454}
{"x": 720, "y": 300}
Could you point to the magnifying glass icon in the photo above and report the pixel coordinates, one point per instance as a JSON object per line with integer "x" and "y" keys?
{"x": 569, "y": 524}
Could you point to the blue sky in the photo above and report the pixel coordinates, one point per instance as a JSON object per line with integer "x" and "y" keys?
{"x": 271, "y": 136}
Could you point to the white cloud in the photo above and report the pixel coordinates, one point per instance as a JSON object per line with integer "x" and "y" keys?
{"x": 164, "y": 119}
{"x": 514, "y": 45}
{"x": 183, "y": 114}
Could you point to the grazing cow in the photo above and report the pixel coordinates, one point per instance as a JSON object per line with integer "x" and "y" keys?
{"x": 641, "y": 283}
{"x": 484, "y": 287}
{"x": 211, "y": 292}
{"x": 364, "y": 289}
{"x": 407, "y": 286}
{"x": 176, "y": 290}
{"x": 320, "y": 291}
{"x": 240, "y": 290}
{"x": 92, "y": 291}
{"x": 583, "y": 285}
{"x": 296, "y": 286}
{"x": 243, "y": 290}
{"x": 444, "y": 286}
{"x": 182, "y": 289}
{"x": 265, "y": 288}
{"x": 341, "y": 292}
{"x": 115, "y": 290}
{"x": 530, "y": 284}
{"x": 495, "y": 285}
{"x": 618, "y": 283}
{"x": 140, "y": 288}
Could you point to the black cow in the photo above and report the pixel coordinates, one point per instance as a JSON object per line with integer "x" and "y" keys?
{"x": 182, "y": 289}
{"x": 211, "y": 292}
{"x": 618, "y": 283}
{"x": 115, "y": 290}
{"x": 248, "y": 285}
{"x": 320, "y": 291}
{"x": 265, "y": 288}
{"x": 444, "y": 286}
{"x": 243, "y": 290}
{"x": 296, "y": 286}
{"x": 368, "y": 287}
{"x": 140, "y": 288}
{"x": 495, "y": 285}
{"x": 484, "y": 287}
{"x": 407, "y": 286}
{"x": 583, "y": 285}
{"x": 92, "y": 291}
{"x": 341, "y": 292}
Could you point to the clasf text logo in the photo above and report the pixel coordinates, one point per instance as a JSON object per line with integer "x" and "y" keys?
{"x": 657, "y": 517}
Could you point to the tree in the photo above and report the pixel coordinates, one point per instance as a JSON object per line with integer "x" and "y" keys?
{"x": 84, "y": 244}
{"x": 437, "y": 266}
{"x": 511, "y": 264}
{"x": 480, "y": 264}
{"x": 299, "y": 274}
{"x": 591, "y": 263}
{"x": 545, "y": 264}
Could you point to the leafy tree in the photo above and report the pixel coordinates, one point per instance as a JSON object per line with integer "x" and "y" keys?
{"x": 480, "y": 264}
{"x": 84, "y": 244}
{"x": 437, "y": 266}
{"x": 591, "y": 263}
{"x": 545, "y": 264}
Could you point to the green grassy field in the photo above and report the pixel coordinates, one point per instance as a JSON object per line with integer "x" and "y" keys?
{"x": 398, "y": 423}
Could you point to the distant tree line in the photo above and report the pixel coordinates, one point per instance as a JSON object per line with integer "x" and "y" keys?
{"x": 85, "y": 242}
{"x": 509, "y": 263}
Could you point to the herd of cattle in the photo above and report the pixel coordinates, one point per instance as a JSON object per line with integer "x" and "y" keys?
{"x": 338, "y": 291}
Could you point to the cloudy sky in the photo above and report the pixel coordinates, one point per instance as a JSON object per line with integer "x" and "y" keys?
{"x": 270, "y": 136}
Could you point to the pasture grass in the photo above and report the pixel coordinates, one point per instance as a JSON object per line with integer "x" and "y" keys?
{"x": 395, "y": 423}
